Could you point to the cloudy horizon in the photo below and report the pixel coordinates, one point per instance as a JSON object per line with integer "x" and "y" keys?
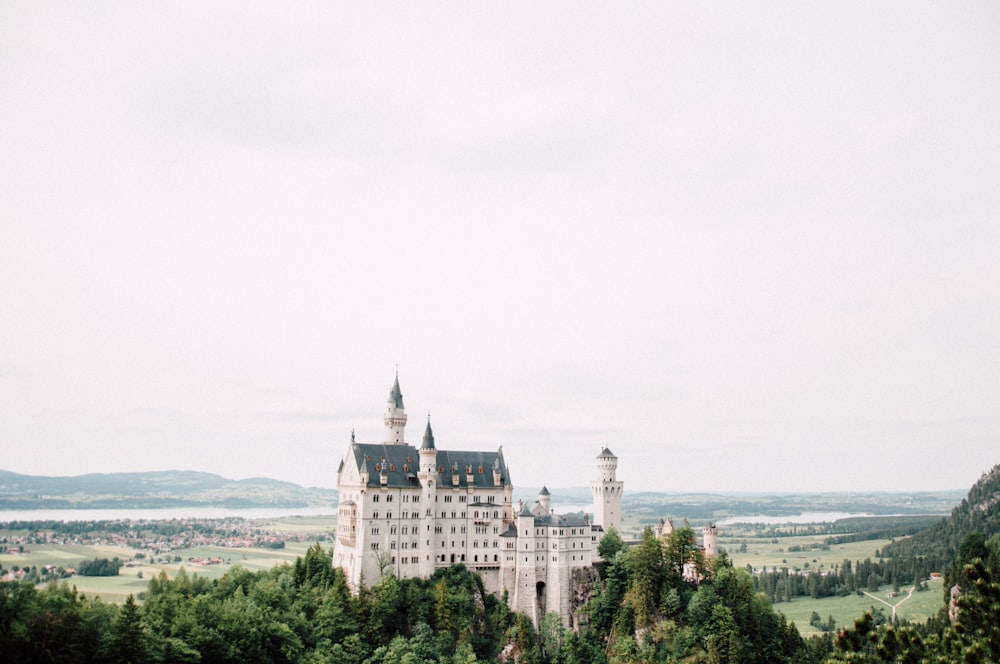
{"x": 748, "y": 247}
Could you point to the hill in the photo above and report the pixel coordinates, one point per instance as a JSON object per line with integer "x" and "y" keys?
{"x": 170, "y": 488}
{"x": 979, "y": 511}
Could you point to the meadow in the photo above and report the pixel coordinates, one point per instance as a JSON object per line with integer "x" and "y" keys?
{"x": 773, "y": 552}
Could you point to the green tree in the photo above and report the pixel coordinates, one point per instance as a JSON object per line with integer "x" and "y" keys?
{"x": 129, "y": 641}
{"x": 610, "y": 544}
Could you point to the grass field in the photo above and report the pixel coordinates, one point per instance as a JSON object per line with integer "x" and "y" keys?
{"x": 919, "y": 607}
{"x": 128, "y": 582}
{"x": 768, "y": 553}
{"x": 771, "y": 552}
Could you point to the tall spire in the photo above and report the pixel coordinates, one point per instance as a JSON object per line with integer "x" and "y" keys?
{"x": 428, "y": 443}
{"x": 395, "y": 415}
{"x": 395, "y": 394}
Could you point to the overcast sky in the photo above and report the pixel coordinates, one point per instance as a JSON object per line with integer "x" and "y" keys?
{"x": 747, "y": 246}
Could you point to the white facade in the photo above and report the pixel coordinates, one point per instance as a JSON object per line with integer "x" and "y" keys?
{"x": 407, "y": 511}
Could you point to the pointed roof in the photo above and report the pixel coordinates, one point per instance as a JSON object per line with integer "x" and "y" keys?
{"x": 606, "y": 453}
{"x": 395, "y": 394}
{"x": 428, "y": 443}
{"x": 544, "y": 492}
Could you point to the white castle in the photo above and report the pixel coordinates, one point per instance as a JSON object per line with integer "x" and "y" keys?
{"x": 407, "y": 511}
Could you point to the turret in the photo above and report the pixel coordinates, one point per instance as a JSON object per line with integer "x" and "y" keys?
{"x": 544, "y": 498}
{"x": 428, "y": 453}
{"x": 607, "y": 492}
{"x": 710, "y": 540}
{"x": 427, "y": 475}
{"x": 395, "y": 415}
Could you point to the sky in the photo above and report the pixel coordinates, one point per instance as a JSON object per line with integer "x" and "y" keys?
{"x": 747, "y": 246}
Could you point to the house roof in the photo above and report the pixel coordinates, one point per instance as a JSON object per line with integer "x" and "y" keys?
{"x": 561, "y": 520}
{"x": 400, "y": 463}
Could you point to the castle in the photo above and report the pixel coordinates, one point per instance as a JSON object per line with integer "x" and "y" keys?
{"x": 408, "y": 511}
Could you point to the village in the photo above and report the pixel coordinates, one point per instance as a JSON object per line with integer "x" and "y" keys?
{"x": 149, "y": 538}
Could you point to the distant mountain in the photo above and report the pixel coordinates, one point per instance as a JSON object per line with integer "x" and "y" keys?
{"x": 170, "y": 488}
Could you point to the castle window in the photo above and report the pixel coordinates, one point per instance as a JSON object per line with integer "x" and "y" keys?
{"x": 388, "y": 498}
{"x": 461, "y": 499}
{"x": 392, "y": 544}
{"x": 388, "y": 515}
{"x": 392, "y": 530}
{"x": 375, "y": 498}
{"x": 375, "y": 530}
{"x": 406, "y": 498}
{"x": 374, "y": 515}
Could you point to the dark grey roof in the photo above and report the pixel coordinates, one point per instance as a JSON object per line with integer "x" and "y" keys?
{"x": 606, "y": 453}
{"x": 481, "y": 464}
{"x": 401, "y": 462}
{"x": 561, "y": 520}
{"x": 395, "y": 395}
{"x": 428, "y": 443}
{"x": 544, "y": 492}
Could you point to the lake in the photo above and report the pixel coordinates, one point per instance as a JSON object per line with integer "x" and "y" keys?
{"x": 163, "y": 513}
{"x": 804, "y": 517}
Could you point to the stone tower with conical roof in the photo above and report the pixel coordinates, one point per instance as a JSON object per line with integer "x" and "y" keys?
{"x": 607, "y": 491}
{"x": 395, "y": 416}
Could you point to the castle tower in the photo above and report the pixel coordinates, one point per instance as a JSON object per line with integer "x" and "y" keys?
{"x": 395, "y": 416}
{"x": 427, "y": 475}
{"x": 710, "y": 540}
{"x": 607, "y": 492}
{"x": 544, "y": 499}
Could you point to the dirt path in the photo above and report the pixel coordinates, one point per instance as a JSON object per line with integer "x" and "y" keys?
{"x": 892, "y": 606}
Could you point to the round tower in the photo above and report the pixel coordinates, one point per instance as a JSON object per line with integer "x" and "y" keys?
{"x": 710, "y": 539}
{"x": 395, "y": 415}
{"x": 427, "y": 475}
{"x": 607, "y": 492}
